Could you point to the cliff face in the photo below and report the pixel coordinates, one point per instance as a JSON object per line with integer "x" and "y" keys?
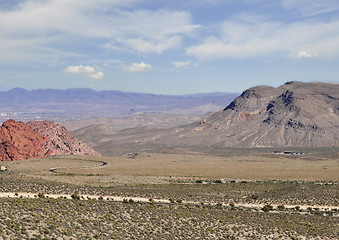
{"x": 19, "y": 141}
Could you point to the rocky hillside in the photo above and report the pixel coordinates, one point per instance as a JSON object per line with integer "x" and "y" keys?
{"x": 60, "y": 140}
{"x": 294, "y": 115}
{"x": 19, "y": 140}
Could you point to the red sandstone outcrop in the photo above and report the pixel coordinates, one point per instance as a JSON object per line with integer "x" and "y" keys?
{"x": 20, "y": 141}
{"x": 60, "y": 140}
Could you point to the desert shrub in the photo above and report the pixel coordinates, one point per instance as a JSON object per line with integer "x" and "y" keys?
{"x": 75, "y": 196}
{"x": 267, "y": 208}
{"x": 41, "y": 195}
{"x": 254, "y": 197}
{"x": 281, "y": 207}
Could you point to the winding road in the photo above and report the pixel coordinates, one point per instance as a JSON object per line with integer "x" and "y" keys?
{"x": 103, "y": 163}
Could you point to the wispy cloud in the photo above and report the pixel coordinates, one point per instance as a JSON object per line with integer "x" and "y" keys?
{"x": 181, "y": 64}
{"x": 239, "y": 39}
{"x": 139, "y": 67}
{"x": 87, "y": 71}
{"x": 311, "y": 7}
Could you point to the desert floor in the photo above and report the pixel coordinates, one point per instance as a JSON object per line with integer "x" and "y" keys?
{"x": 173, "y": 194}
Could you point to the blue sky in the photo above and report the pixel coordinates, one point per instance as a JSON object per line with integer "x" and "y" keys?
{"x": 167, "y": 47}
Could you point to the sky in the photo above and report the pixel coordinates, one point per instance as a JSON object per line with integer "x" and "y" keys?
{"x": 167, "y": 47}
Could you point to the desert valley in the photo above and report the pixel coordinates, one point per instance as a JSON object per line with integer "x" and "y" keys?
{"x": 263, "y": 165}
{"x": 174, "y": 120}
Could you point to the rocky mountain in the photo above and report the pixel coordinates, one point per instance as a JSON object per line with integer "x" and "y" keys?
{"x": 19, "y": 140}
{"x": 295, "y": 114}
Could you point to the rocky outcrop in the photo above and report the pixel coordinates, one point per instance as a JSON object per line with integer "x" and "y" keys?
{"x": 293, "y": 115}
{"x": 60, "y": 140}
{"x": 19, "y": 141}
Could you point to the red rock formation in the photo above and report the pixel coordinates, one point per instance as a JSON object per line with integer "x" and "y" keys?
{"x": 61, "y": 142}
{"x": 19, "y": 141}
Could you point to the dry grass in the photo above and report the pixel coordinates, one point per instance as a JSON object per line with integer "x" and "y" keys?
{"x": 162, "y": 167}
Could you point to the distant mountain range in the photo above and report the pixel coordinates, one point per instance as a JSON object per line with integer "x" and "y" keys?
{"x": 293, "y": 115}
{"x": 74, "y": 104}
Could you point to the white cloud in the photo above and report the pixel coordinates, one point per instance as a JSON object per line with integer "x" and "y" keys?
{"x": 240, "y": 39}
{"x": 139, "y": 67}
{"x": 88, "y": 71}
{"x": 181, "y": 64}
{"x": 304, "y": 54}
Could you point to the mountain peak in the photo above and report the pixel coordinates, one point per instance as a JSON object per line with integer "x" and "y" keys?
{"x": 295, "y": 114}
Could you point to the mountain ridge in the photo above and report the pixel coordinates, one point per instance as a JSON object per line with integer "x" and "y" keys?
{"x": 295, "y": 114}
